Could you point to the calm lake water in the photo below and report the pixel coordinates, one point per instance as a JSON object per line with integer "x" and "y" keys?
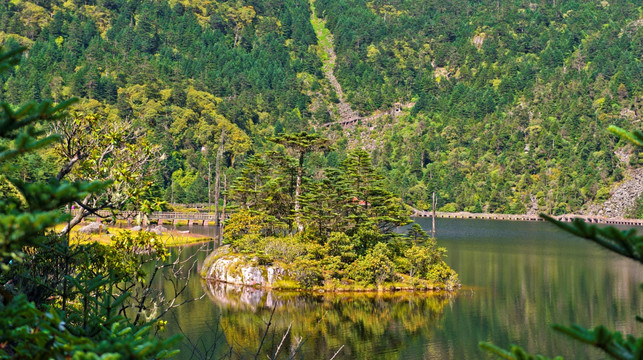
{"x": 518, "y": 279}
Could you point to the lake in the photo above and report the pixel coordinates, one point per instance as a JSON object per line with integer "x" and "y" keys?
{"x": 518, "y": 279}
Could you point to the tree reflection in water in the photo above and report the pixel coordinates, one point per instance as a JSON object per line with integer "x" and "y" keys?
{"x": 368, "y": 325}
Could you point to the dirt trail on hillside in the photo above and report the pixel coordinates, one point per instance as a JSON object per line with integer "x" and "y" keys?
{"x": 345, "y": 110}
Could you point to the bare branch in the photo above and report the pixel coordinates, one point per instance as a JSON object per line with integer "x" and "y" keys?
{"x": 266, "y": 332}
{"x": 282, "y": 341}
{"x": 338, "y": 350}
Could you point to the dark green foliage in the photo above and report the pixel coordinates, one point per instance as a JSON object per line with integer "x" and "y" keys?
{"x": 31, "y": 334}
{"x": 57, "y": 300}
{"x": 374, "y": 267}
{"x": 122, "y": 54}
{"x": 509, "y": 96}
{"x": 29, "y": 208}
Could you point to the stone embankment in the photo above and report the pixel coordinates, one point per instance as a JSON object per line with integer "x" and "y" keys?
{"x": 517, "y": 217}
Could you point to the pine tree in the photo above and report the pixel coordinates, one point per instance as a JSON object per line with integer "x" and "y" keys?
{"x": 371, "y": 203}
{"x": 301, "y": 144}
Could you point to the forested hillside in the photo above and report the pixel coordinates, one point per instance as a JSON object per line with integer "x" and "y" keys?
{"x": 511, "y": 98}
{"x": 183, "y": 70}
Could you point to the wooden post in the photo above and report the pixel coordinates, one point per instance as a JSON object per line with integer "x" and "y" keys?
{"x": 433, "y": 217}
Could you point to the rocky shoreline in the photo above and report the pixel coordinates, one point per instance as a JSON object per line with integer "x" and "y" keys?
{"x": 225, "y": 266}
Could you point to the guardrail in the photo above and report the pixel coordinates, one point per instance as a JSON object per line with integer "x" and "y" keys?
{"x": 518, "y": 217}
{"x": 160, "y": 217}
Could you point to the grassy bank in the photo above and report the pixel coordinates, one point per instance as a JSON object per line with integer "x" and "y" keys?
{"x": 169, "y": 238}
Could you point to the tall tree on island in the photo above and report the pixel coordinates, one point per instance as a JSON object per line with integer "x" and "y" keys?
{"x": 370, "y": 202}
{"x": 301, "y": 144}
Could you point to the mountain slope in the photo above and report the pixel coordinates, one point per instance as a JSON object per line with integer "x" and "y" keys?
{"x": 509, "y": 100}
{"x": 512, "y": 98}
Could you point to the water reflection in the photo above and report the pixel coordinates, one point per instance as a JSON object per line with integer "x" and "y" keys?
{"x": 521, "y": 278}
{"x": 367, "y": 325}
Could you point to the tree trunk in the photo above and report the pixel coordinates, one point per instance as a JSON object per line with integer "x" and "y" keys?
{"x": 225, "y": 202}
{"x": 209, "y": 187}
{"x": 237, "y": 29}
{"x": 300, "y": 171}
{"x": 217, "y": 167}
{"x": 435, "y": 203}
{"x": 76, "y": 219}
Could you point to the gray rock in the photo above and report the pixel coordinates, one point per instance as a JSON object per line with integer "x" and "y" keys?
{"x": 252, "y": 276}
{"x": 275, "y": 273}
{"x": 94, "y": 228}
{"x": 226, "y": 266}
{"x": 623, "y": 196}
{"x": 159, "y": 229}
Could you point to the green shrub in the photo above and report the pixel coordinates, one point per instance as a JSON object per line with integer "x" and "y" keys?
{"x": 365, "y": 238}
{"x": 603, "y": 193}
{"x": 374, "y": 267}
{"x": 420, "y": 259}
{"x": 283, "y": 249}
{"x": 308, "y": 273}
{"x": 339, "y": 244}
{"x": 440, "y": 273}
{"x": 450, "y": 207}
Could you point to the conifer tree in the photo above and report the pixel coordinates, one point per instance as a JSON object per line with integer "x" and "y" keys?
{"x": 370, "y": 202}
{"x": 301, "y": 144}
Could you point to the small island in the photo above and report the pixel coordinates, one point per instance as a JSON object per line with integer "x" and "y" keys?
{"x": 332, "y": 231}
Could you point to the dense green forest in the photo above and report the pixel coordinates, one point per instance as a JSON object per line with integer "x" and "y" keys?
{"x": 511, "y": 99}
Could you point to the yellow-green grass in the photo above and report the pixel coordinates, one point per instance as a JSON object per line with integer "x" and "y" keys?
{"x": 324, "y": 38}
{"x": 169, "y": 238}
